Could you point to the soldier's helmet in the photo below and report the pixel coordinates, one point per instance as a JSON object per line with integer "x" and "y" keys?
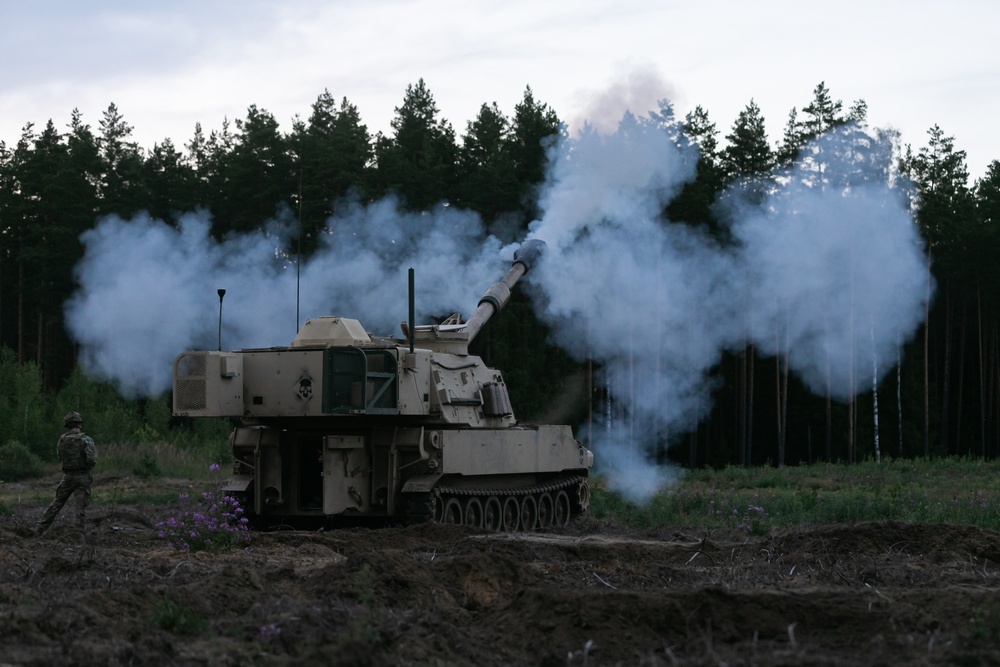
{"x": 72, "y": 418}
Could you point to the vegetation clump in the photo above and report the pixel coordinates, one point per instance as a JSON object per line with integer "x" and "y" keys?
{"x": 751, "y": 501}
{"x": 212, "y": 521}
{"x": 17, "y": 462}
{"x": 178, "y": 619}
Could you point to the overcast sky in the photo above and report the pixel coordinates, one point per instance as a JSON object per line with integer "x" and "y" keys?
{"x": 168, "y": 65}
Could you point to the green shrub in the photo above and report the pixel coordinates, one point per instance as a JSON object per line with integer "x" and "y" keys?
{"x": 147, "y": 467}
{"x": 18, "y": 462}
{"x": 108, "y": 418}
{"x": 163, "y": 459}
{"x": 23, "y": 406}
{"x": 156, "y": 412}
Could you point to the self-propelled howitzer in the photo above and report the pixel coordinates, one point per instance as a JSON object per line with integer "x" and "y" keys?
{"x": 344, "y": 423}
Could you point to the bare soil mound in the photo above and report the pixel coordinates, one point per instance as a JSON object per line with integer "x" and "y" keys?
{"x": 865, "y": 594}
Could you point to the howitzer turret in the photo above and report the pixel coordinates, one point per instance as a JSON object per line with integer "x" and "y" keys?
{"x": 342, "y": 422}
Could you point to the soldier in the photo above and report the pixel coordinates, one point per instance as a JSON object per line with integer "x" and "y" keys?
{"x": 78, "y": 454}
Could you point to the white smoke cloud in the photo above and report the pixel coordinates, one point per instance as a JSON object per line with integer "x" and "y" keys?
{"x": 634, "y": 86}
{"x": 148, "y": 289}
{"x": 829, "y": 270}
{"x": 628, "y": 471}
{"x": 601, "y": 178}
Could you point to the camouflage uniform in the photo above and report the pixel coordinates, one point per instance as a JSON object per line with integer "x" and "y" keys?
{"x": 78, "y": 455}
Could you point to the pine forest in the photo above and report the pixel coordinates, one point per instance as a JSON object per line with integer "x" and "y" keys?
{"x": 88, "y": 215}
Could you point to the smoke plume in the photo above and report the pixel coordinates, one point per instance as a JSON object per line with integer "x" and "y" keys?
{"x": 824, "y": 267}
{"x": 820, "y": 263}
{"x": 147, "y": 289}
{"x": 632, "y": 86}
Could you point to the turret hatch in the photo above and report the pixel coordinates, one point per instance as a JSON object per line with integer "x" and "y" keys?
{"x": 331, "y": 331}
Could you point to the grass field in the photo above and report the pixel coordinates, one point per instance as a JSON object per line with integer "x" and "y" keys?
{"x": 745, "y": 500}
{"x": 753, "y": 500}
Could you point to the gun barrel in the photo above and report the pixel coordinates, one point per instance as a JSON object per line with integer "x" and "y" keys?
{"x": 498, "y": 294}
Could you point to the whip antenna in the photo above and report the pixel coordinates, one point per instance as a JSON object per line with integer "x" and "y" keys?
{"x": 298, "y": 257}
{"x": 222, "y": 293}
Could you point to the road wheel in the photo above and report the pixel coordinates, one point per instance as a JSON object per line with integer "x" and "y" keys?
{"x": 492, "y": 514}
{"x": 529, "y": 513}
{"x": 474, "y": 513}
{"x": 511, "y": 514}
{"x": 452, "y": 511}
{"x": 561, "y": 510}
{"x": 545, "y": 511}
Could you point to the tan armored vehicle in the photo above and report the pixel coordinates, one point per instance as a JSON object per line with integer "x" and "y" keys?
{"x": 342, "y": 423}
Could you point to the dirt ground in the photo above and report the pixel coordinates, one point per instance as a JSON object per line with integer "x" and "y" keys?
{"x": 864, "y": 594}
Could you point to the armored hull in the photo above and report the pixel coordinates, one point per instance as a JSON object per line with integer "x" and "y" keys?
{"x": 342, "y": 423}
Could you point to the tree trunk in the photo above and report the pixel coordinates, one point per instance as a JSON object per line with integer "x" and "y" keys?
{"x": 38, "y": 351}
{"x": 946, "y": 384}
{"x": 996, "y": 393}
{"x": 750, "y": 371}
{"x": 590, "y": 403}
{"x": 784, "y": 410}
{"x": 899, "y": 394}
{"x": 741, "y": 407}
{"x": 959, "y": 407}
{"x": 658, "y": 425}
{"x": 829, "y": 423}
{"x": 852, "y": 419}
{"x": 878, "y": 452}
{"x": 20, "y": 312}
{"x": 991, "y": 393}
{"x": 778, "y": 403}
{"x": 982, "y": 374}
{"x": 693, "y": 447}
{"x": 631, "y": 391}
{"x": 829, "y": 403}
{"x": 927, "y": 386}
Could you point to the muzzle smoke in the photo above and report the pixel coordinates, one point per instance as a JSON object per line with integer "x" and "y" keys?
{"x": 148, "y": 289}
{"x": 827, "y": 269}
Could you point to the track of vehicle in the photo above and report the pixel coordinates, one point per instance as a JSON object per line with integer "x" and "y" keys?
{"x": 548, "y": 505}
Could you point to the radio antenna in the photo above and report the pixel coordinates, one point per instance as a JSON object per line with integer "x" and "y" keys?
{"x": 412, "y": 299}
{"x": 298, "y": 258}
{"x": 222, "y": 293}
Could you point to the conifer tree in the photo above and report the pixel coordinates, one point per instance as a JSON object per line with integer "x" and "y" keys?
{"x": 258, "y": 174}
{"x": 170, "y": 181}
{"x": 121, "y": 186}
{"x": 747, "y": 153}
{"x": 332, "y": 154}
{"x": 418, "y": 161}
{"x": 534, "y": 130}
{"x": 489, "y": 184}
{"x": 944, "y": 203}
{"x": 821, "y": 114}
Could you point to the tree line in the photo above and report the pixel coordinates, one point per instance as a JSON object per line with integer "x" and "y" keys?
{"x": 944, "y": 399}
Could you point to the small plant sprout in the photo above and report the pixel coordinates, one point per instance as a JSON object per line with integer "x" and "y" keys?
{"x": 268, "y": 632}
